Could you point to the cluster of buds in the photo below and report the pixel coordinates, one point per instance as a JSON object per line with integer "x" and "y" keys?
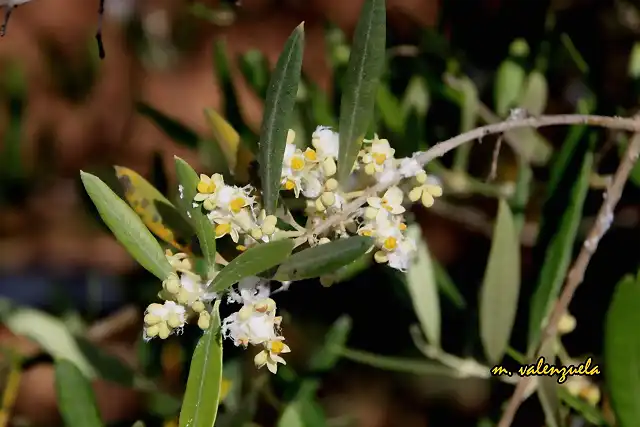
{"x": 187, "y": 296}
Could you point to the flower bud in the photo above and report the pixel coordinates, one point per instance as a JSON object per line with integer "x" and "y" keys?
{"x": 329, "y": 166}
{"x": 434, "y": 190}
{"x": 421, "y": 177}
{"x": 174, "y": 321}
{"x": 204, "y": 320}
{"x": 152, "y": 331}
{"x": 291, "y": 136}
{"x": 256, "y": 233}
{"x": 567, "y": 324}
{"x": 380, "y": 257}
{"x": 370, "y": 169}
{"x": 198, "y": 306}
{"x": 269, "y": 224}
{"x": 209, "y": 205}
{"x": 265, "y": 306}
{"x": 319, "y": 206}
{"x": 152, "y": 319}
{"x": 331, "y": 184}
{"x": 172, "y": 284}
{"x": 328, "y": 198}
{"x": 260, "y": 359}
{"x": 163, "y": 331}
{"x": 183, "y": 297}
{"x": 245, "y": 313}
{"x": 427, "y": 199}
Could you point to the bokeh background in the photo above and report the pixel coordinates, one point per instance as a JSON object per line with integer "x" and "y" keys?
{"x": 80, "y": 113}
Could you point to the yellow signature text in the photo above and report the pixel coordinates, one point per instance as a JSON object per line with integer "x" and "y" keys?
{"x": 542, "y": 368}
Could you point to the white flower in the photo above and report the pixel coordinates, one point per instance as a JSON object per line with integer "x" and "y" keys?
{"x": 270, "y": 356}
{"x": 409, "y": 167}
{"x": 161, "y": 320}
{"x": 391, "y": 201}
{"x": 376, "y": 155}
{"x": 400, "y": 258}
{"x": 207, "y": 188}
{"x": 193, "y": 289}
{"x": 326, "y": 142}
{"x": 293, "y": 168}
{"x": 250, "y": 290}
{"x": 231, "y": 199}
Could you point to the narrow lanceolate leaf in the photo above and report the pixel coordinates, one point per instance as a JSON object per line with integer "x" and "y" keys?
{"x": 225, "y": 136}
{"x": 470, "y": 104}
{"x": 622, "y": 352}
{"x": 548, "y": 388}
{"x": 535, "y": 93}
{"x": 510, "y": 79}
{"x": 558, "y": 255}
{"x": 175, "y": 130}
{"x": 323, "y": 259}
{"x": 156, "y": 212}
{"x": 76, "y": 399}
{"x": 252, "y": 262}
{"x": 278, "y": 108}
{"x": 127, "y": 227}
{"x": 421, "y": 281}
{"x": 335, "y": 341}
{"x": 202, "y": 396}
{"x": 205, "y": 231}
{"x": 366, "y": 63}
{"x": 500, "y": 287}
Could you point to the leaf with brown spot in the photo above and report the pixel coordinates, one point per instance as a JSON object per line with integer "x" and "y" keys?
{"x": 155, "y": 210}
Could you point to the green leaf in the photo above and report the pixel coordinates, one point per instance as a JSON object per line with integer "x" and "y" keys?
{"x": 416, "y": 97}
{"x": 390, "y": 109}
{"x": 226, "y": 138}
{"x": 470, "y": 103}
{"x": 205, "y": 231}
{"x": 76, "y": 399}
{"x": 252, "y": 262}
{"x": 127, "y": 227}
{"x": 558, "y": 255}
{"x": 548, "y": 387}
{"x": 156, "y": 212}
{"x": 398, "y": 364}
{"x": 590, "y": 413}
{"x": 326, "y": 358}
{"x": 202, "y": 396}
{"x": 447, "y": 286}
{"x": 500, "y": 286}
{"x": 48, "y": 331}
{"x": 304, "y": 411}
{"x": 347, "y": 271}
{"x": 366, "y": 63}
{"x": 323, "y": 259}
{"x": 622, "y": 352}
{"x": 421, "y": 282}
{"x": 278, "y": 109}
{"x": 535, "y": 93}
{"x": 175, "y": 130}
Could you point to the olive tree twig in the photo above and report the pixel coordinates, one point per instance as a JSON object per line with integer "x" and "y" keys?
{"x": 576, "y": 274}
{"x": 442, "y": 148}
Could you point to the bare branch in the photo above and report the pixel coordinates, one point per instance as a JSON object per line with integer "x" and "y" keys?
{"x": 576, "y": 274}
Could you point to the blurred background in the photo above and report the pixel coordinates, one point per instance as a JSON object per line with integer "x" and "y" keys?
{"x": 64, "y": 110}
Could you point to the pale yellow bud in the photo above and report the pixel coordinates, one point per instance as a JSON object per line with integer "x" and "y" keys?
{"x": 328, "y": 198}
{"x": 197, "y": 306}
{"x": 204, "y": 320}
{"x": 329, "y": 166}
{"x": 152, "y": 319}
{"x": 319, "y": 206}
{"x": 421, "y": 177}
{"x": 172, "y": 284}
{"x": 414, "y": 195}
{"x": 152, "y": 331}
{"x": 174, "y": 321}
{"x": 326, "y": 281}
{"x": 435, "y": 190}
{"x": 324, "y": 240}
{"x": 269, "y": 225}
{"x": 261, "y": 358}
{"x": 183, "y": 297}
{"x": 155, "y": 306}
{"x": 380, "y": 257}
{"x": 163, "y": 331}
{"x": 370, "y": 213}
{"x": 256, "y": 233}
{"x": 331, "y": 184}
{"x": 209, "y": 205}
{"x": 370, "y": 169}
{"x": 567, "y": 324}
{"x": 591, "y": 394}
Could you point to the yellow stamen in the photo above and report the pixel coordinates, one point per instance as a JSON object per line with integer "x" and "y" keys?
{"x": 241, "y": 248}
{"x": 289, "y": 185}
{"x": 402, "y": 227}
{"x": 206, "y": 187}
{"x": 297, "y": 163}
{"x": 390, "y": 243}
{"x": 237, "y": 204}
{"x": 277, "y": 347}
{"x": 366, "y": 233}
{"x": 379, "y": 158}
{"x": 222, "y": 229}
{"x": 310, "y": 154}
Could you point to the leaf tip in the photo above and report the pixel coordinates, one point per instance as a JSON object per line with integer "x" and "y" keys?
{"x": 300, "y": 27}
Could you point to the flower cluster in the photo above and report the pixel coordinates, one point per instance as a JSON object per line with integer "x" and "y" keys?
{"x": 187, "y": 296}
{"x": 237, "y": 212}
